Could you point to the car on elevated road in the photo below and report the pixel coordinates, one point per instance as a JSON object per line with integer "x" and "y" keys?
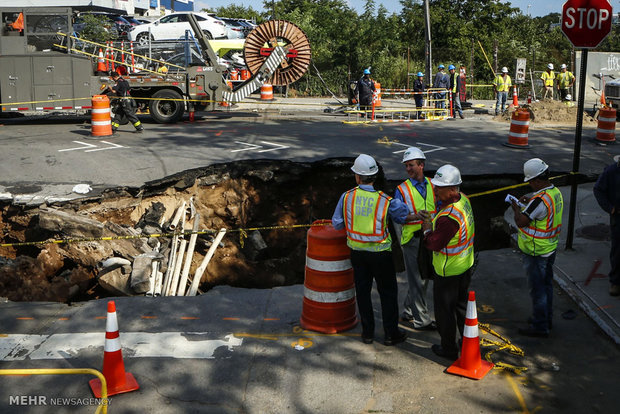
{"x": 174, "y": 25}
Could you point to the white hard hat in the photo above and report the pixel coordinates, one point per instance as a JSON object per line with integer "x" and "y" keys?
{"x": 563, "y": 66}
{"x": 569, "y": 97}
{"x": 365, "y": 165}
{"x": 533, "y": 168}
{"x": 447, "y": 175}
{"x": 550, "y": 66}
{"x": 413, "y": 153}
{"x": 504, "y": 69}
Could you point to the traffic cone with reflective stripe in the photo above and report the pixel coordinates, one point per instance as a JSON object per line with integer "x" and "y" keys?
{"x": 515, "y": 97}
{"x": 100, "y": 62}
{"x": 470, "y": 364}
{"x": 117, "y": 380}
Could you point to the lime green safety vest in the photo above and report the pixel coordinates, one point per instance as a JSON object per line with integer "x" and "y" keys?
{"x": 541, "y": 236}
{"x": 365, "y": 217}
{"x": 458, "y": 256}
{"x": 415, "y": 203}
{"x": 454, "y": 76}
{"x": 565, "y": 79}
{"x": 501, "y": 85}
{"x": 547, "y": 78}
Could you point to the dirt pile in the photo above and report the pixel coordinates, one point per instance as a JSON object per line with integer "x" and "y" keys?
{"x": 550, "y": 112}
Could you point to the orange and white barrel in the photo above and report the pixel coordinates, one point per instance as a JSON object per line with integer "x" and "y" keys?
{"x": 234, "y": 74}
{"x": 266, "y": 92}
{"x": 377, "y": 94}
{"x": 245, "y": 74}
{"x": 606, "y": 129}
{"x": 100, "y": 118}
{"x": 329, "y": 285}
{"x": 519, "y": 126}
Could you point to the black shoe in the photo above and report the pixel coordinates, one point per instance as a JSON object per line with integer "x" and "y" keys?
{"x": 461, "y": 116}
{"x": 614, "y": 290}
{"x": 533, "y": 333}
{"x": 406, "y": 319}
{"x": 395, "y": 339}
{"x": 430, "y": 327}
{"x": 531, "y": 321}
{"x": 367, "y": 339}
{"x": 439, "y": 351}
{"x": 139, "y": 131}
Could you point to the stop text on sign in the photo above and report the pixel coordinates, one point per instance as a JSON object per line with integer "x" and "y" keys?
{"x": 582, "y": 17}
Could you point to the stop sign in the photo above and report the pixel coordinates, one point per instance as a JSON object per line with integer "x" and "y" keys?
{"x": 586, "y": 22}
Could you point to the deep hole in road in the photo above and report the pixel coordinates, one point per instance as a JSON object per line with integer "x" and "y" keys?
{"x": 238, "y": 195}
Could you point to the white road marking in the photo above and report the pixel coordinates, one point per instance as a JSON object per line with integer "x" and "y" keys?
{"x": 254, "y": 146}
{"x": 86, "y": 146}
{"x": 194, "y": 345}
{"x": 273, "y": 149}
{"x": 435, "y": 147}
{"x": 113, "y": 146}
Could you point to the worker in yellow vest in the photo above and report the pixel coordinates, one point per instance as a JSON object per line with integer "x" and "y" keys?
{"x": 364, "y": 213}
{"x": 548, "y": 76}
{"x": 417, "y": 193}
{"x": 502, "y": 84}
{"x": 539, "y": 224}
{"x": 565, "y": 81}
{"x": 450, "y": 236}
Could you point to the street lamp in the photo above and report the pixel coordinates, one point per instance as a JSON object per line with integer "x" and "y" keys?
{"x": 528, "y": 10}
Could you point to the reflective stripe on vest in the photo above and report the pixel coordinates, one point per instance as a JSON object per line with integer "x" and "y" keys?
{"x": 501, "y": 85}
{"x": 454, "y": 77}
{"x": 564, "y": 79}
{"x": 548, "y": 78}
{"x": 365, "y": 218}
{"x": 413, "y": 198}
{"x": 458, "y": 256}
{"x": 541, "y": 236}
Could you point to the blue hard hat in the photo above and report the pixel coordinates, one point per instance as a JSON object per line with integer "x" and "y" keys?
{"x": 451, "y": 67}
{"x": 420, "y": 74}
{"x": 366, "y": 71}
{"x": 441, "y": 66}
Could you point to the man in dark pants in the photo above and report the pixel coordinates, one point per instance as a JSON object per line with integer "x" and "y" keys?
{"x": 455, "y": 87}
{"x": 607, "y": 193}
{"x": 364, "y": 90}
{"x": 418, "y": 88}
{"x": 450, "y": 236}
{"x": 125, "y": 107}
{"x": 364, "y": 212}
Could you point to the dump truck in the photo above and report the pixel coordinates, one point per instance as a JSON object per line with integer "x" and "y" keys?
{"x": 44, "y": 68}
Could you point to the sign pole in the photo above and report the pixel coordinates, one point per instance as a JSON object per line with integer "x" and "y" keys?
{"x": 577, "y": 150}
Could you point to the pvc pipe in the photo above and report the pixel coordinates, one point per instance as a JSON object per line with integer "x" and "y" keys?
{"x": 205, "y": 262}
{"x": 172, "y": 291}
{"x": 158, "y": 280}
{"x": 113, "y": 262}
{"x": 169, "y": 270}
{"x": 151, "y": 291}
{"x": 190, "y": 254}
{"x": 177, "y": 217}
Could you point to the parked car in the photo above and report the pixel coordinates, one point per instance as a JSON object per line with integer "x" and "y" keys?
{"x": 118, "y": 25}
{"x": 248, "y": 26}
{"x": 132, "y": 20}
{"x": 174, "y": 25}
{"x": 235, "y": 29}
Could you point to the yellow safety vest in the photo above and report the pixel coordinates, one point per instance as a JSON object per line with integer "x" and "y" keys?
{"x": 365, "y": 217}
{"x": 501, "y": 85}
{"x": 547, "y": 78}
{"x": 541, "y": 236}
{"x": 565, "y": 79}
{"x": 415, "y": 202}
{"x": 458, "y": 256}
{"x": 454, "y": 77}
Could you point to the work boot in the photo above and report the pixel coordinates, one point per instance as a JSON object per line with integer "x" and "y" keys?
{"x": 614, "y": 290}
{"x": 461, "y": 115}
{"x": 139, "y": 130}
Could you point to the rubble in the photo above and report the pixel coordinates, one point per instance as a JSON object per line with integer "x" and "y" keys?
{"x": 551, "y": 113}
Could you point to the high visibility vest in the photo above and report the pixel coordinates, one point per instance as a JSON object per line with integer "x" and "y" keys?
{"x": 455, "y": 77}
{"x": 541, "y": 236}
{"x": 547, "y": 78}
{"x": 565, "y": 79}
{"x": 365, "y": 217}
{"x": 415, "y": 202}
{"x": 458, "y": 256}
{"x": 501, "y": 84}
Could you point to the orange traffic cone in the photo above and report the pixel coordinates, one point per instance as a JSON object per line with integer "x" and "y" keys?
{"x": 118, "y": 381}
{"x": 470, "y": 364}
{"x": 515, "y": 98}
{"x": 101, "y": 62}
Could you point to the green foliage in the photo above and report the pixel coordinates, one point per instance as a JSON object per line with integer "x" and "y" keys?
{"x": 97, "y": 28}
{"x": 235, "y": 11}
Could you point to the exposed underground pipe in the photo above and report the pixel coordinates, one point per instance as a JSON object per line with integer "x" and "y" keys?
{"x": 172, "y": 291}
{"x": 177, "y": 216}
{"x": 190, "y": 254}
{"x": 154, "y": 266}
{"x": 112, "y": 263}
{"x": 205, "y": 262}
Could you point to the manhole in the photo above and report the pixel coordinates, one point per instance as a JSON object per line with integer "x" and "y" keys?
{"x": 599, "y": 232}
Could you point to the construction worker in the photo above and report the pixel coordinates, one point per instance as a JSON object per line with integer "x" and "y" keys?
{"x": 501, "y": 84}
{"x": 548, "y": 76}
{"x": 441, "y": 81}
{"x": 418, "y": 90}
{"x": 565, "y": 81}
{"x": 455, "y": 82}
{"x": 539, "y": 225}
{"x": 417, "y": 193}
{"x": 364, "y": 90}
{"x": 125, "y": 107}
{"x": 364, "y": 212}
{"x": 450, "y": 236}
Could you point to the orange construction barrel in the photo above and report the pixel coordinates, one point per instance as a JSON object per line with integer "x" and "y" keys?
{"x": 606, "y": 129}
{"x": 329, "y": 286}
{"x": 245, "y": 74}
{"x": 100, "y": 118}
{"x": 519, "y": 125}
{"x": 234, "y": 75}
{"x": 266, "y": 92}
{"x": 377, "y": 94}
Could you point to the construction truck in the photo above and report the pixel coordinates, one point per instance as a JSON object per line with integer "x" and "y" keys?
{"x": 44, "y": 68}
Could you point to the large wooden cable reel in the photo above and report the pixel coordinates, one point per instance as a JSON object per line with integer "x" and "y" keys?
{"x": 264, "y": 37}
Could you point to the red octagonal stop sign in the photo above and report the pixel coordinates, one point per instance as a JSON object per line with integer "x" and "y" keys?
{"x": 586, "y": 22}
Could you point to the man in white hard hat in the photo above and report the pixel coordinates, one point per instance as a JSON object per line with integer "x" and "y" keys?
{"x": 417, "y": 193}
{"x": 450, "y": 236}
{"x": 565, "y": 81}
{"x": 539, "y": 226}
{"x": 501, "y": 84}
{"x": 364, "y": 213}
{"x": 547, "y": 77}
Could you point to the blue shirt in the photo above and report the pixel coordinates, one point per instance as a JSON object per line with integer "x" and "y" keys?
{"x": 397, "y": 210}
{"x": 419, "y": 185}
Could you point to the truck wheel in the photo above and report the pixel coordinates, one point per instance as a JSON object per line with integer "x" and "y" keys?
{"x": 208, "y": 34}
{"x": 167, "y": 106}
{"x": 143, "y": 39}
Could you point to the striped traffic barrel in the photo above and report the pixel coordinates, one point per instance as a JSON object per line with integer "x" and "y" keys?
{"x": 377, "y": 94}
{"x": 100, "y": 121}
{"x": 266, "y": 92}
{"x": 519, "y": 125}
{"x": 329, "y": 286}
{"x": 606, "y": 129}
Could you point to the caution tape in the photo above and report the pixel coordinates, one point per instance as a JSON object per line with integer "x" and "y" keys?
{"x": 497, "y": 190}
{"x": 505, "y": 345}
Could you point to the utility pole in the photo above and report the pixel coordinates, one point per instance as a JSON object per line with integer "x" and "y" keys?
{"x": 407, "y": 68}
{"x": 428, "y": 48}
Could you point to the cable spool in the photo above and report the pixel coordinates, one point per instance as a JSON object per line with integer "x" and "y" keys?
{"x": 264, "y": 37}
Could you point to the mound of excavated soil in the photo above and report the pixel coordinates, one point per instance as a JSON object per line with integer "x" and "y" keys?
{"x": 550, "y": 112}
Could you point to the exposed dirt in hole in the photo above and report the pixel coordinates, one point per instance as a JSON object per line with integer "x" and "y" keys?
{"x": 550, "y": 112}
